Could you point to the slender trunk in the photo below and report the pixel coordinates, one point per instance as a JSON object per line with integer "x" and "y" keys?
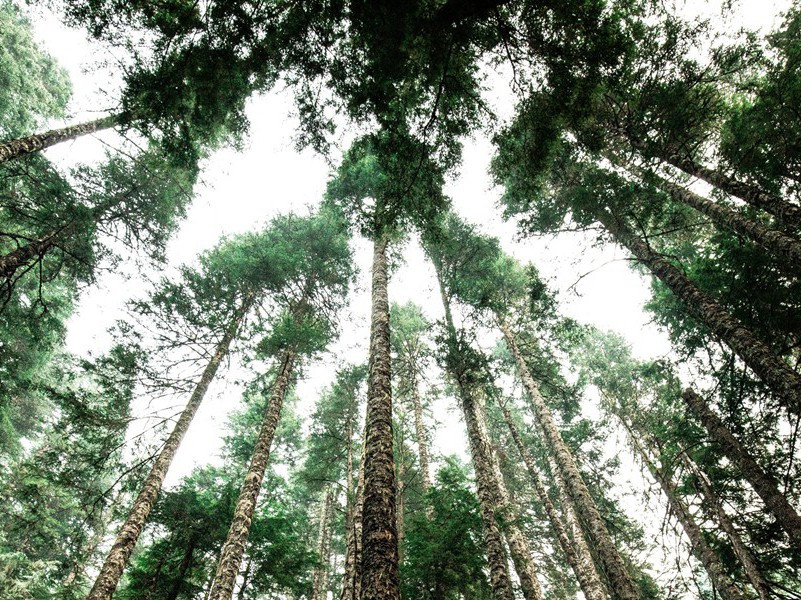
{"x": 700, "y": 548}
{"x": 399, "y": 500}
{"x": 245, "y": 580}
{"x": 787, "y": 212}
{"x": 352, "y": 579}
{"x": 776, "y": 373}
{"x": 621, "y": 583}
{"x": 576, "y": 552}
{"x": 319, "y": 578}
{"x": 764, "y": 484}
{"x": 21, "y": 257}
{"x": 785, "y": 248}
{"x": 518, "y": 544}
{"x": 39, "y": 141}
{"x": 186, "y": 562}
{"x": 496, "y": 556}
{"x": 741, "y": 551}
{"x": 380, "y": 578}
{"x": 327, "y": 550}
{"x": 422, "y": 439}
{"x": 109, "y": 576}
{"x": 234, "y": 548}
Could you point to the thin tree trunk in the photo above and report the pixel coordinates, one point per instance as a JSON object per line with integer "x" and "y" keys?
{"x": 245, "y": 580}
{"x": 787, "y": 212}
{"x": 764, "y": 484}
{"x": 39, "y": 141}
{"x": 186, "y": 562}
{"x": 319, "y": 579}
{"x": 380, "y": 577}
{"x": 576, "y": 552}
{"x": 785, "y": 248}
{"x": 21, "y": 257}
{"x": 401, "y": 489}
{"x": 518, "y": 544}
{"x": 741, "y": 551}
{"x": 351, "y": 580}
{"x": 700, "y": 549}
{"x": 776, "y": 373}
{"x": 422, "y": 439}
{"x": 496, "y": 556}
{"x": 621, "y": 583}
{"x": 109, "y": 576}
{"x": 234, "y": 548}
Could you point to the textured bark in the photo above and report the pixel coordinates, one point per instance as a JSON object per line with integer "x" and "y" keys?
{"x": 518, "y": 544}
{"x": 787, "y": 212}
{"x": 39, "y": 141}
{"x": 700, "y": 549}
{"x": 352, "y": 579}
{"x": 784, "y": 247}
{"x": 764, "y": 484}
{"x": 320, "y": 578}
{"x": 741, "y": 551}
{"x": 401, "y": 489}
{"x": 576, "y": 552}
{"x": 109, "y": 576}
{"x": 380, "y": 577}
{"x": 234, "y": 548}
{"x": 422, "y": 440}
{"x": 21, "y": 257}
{"x": 621, "y": 583}
{"x": 776, "y": 373}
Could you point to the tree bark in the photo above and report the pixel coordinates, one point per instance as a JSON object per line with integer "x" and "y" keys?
{"x": 380, "y": 577}
{"x": 109, "y": 576}
{"x": 576, "y": 552}
{"x": 785, "y": 248}
{"x": 20, "y": 257}
{"x": 321, "y": 571}
{"x": 621, "y": 583}
{"x": 776, "y": 373}
{"x": 245, "y": 580}
{"x": 518, "y": 544}
{"x": 741, "y": 551}
{"x": 352, "y": 579}
{"x": 422, "y": 439}
{"x": 401, "y": 489}
{"x": 700, "y": 549}
{"x": 39, "y": 141}
{"x": 234, "y": 548}
{"x": 764, "y": 484}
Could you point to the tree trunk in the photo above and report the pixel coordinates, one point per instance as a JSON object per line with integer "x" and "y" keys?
{"x": 764, "y": 484}
{"x": 741, "y": 551}
{"x": 700, "y": 549}
{"x": 776, "y": 373}
{"x": 245, "y": 580}
{"x": 622, "y": 585}
{"x": 39, "y": 141}
{"x": 352, "y": 579}
{"x": 496, "y": 557}
{"x": 422, "y": 439}
{"x": 186, "y": 562}
{"x": 517, "y": 542}
{"x": 380, "y": 577}
{"x": 401, "y": 489}
{"x": 234, "y": 548}
{"x": 785, "y": 211}
{"x": 785, "y": 248}
{"x": 20, "y": 257}
{"x": 576, "y": 552}
{"x": 109, "y": 576}
{"x": 319, "y": 577}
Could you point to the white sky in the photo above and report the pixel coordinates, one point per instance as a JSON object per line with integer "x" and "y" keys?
{"x": 242, "y": 191}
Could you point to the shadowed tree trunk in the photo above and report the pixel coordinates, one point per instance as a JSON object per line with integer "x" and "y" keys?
{"x": 380, "y": 577}
{"x": 351, "y": 580}
{"x": 700, "y": 548}
{"x": 776, "y": 373}
{"x": 39, "y": 141}
{"x": 401, "y": 489}
{"x": 518, "y": 544}
{"x": 764, "y": 484}
{"x": 109, "y": 576}
{"x": 576, "y": 552}
{"x": 422, "y": 438}
{"x": 621, "y": 583}
{"x": 234, "y": 548}
{"x": 741, "y": 551}
{"x": 183, "y": 568}
{"x": 321, "y": 571}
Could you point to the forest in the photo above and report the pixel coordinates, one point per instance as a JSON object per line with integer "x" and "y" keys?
{"x": 371, "y": 300}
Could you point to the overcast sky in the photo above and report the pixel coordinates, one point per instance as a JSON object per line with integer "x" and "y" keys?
{"x": 242, "y": 190}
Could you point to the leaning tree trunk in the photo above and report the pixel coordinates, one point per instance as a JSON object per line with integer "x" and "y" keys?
{"x": 496, "y": 556}
{"x": 785, "y": 211}
{"x": 380, "y": 577}
{"x": 109, "y": 576}
{"x": 21, "y": 257}
{"x": 700, "y": 548}
{"x": 234, "y": 548}
{"x": 183, "y": 569}
{"x": 39, "y": 141}
{"x": 576, "y": 551}
{"x": 785, "y": 248}
{"x": 518, "y": 544}
{"x": 764, "y": 484}
{"x": 741, "y": 551}
{"x": 776, "y": 373}
{"x": 621, "y": 583}
{"x": 352, "y": 578}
